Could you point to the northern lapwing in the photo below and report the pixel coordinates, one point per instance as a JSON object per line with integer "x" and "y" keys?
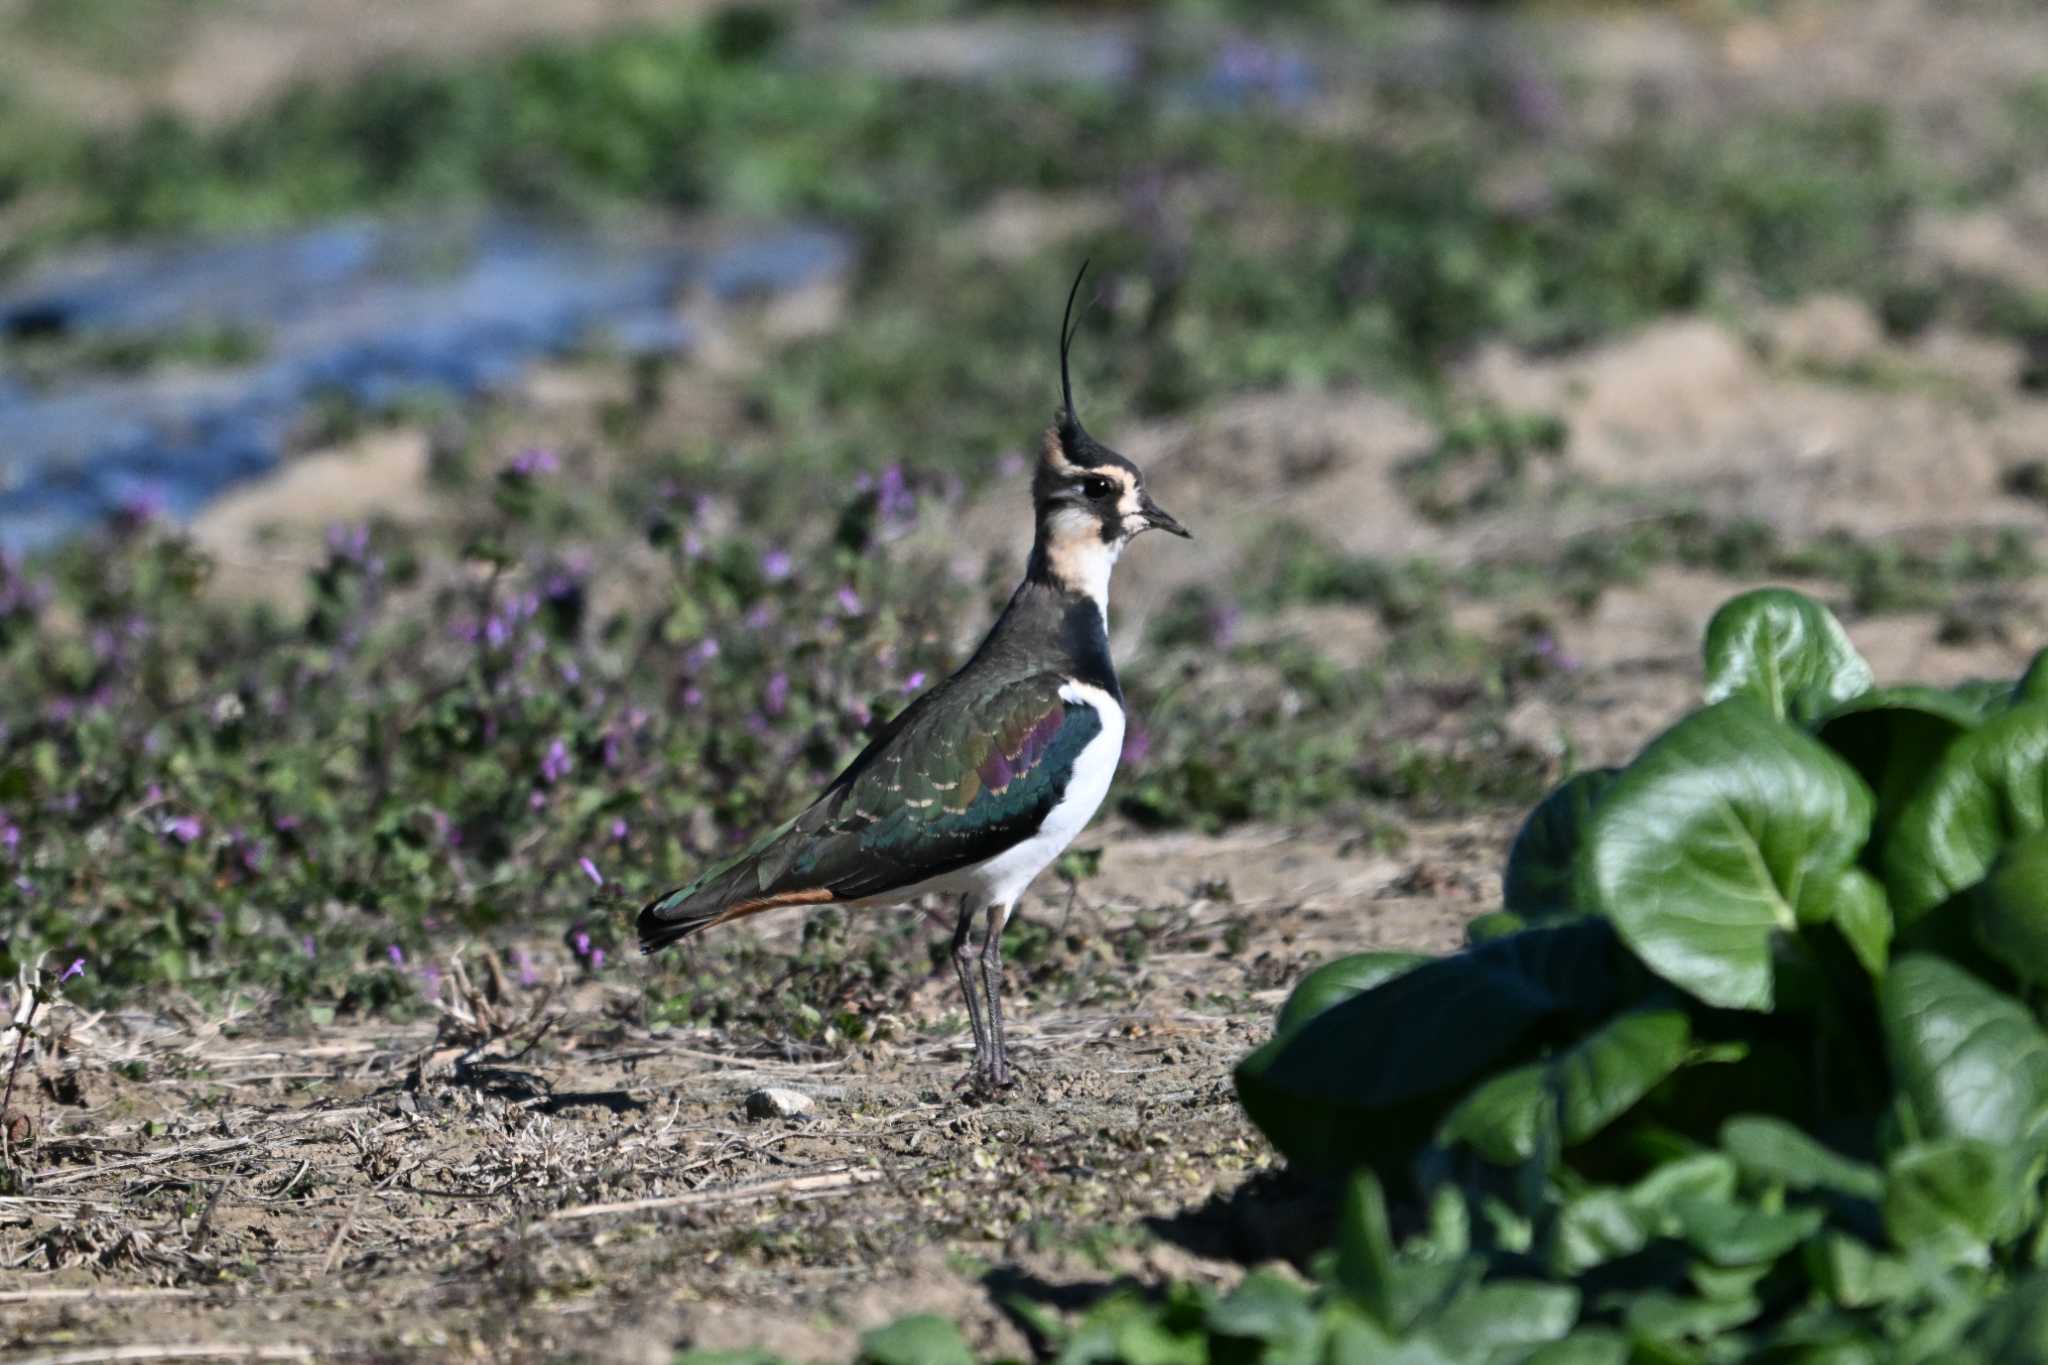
{"x": 984, "y": 779}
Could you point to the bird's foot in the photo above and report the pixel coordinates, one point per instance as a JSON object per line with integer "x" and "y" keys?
{"x": 985, "y": 1081}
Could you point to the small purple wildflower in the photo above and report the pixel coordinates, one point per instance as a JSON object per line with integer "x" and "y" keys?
{"x": 693, "y": 696}
{"x": 184, "y": 828}
{"x": 528, "y": 974}
{"x": 308, "y": 946}
{"x": 1137, "y": 745}
{"x": 597, "y": 959}
{"x": 619, "y": 831}
{"x": 77, "y": 968}
{"x": 10, "y": 836}
{"x": 893, "y": 497}
{"x": 1222, "y": 622}
{"x": 776, "y": 565}
{"x": 759, "y": 616}
{"x": 396, "y": 954}
{"x": 348, "y": 543}
{"x": 775, "y": 695}
{"x": 849, "y": 600}
{"x": 590, "y": 870}
{"x": 555, "y": 765}
{"x": 701, "y": 653}
{"x": 532, "y": 463}
{"x": 913, "y": 682}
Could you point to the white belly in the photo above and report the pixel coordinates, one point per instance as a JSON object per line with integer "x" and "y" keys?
{"x": 1002, "y": 879}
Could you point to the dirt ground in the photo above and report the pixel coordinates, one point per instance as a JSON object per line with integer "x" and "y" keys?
{"x": 530, "y": 1178}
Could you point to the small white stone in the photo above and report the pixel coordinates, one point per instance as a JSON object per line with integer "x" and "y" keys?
{"x": 776, "y": 1102}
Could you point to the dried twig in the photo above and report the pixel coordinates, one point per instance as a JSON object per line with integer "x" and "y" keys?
{"x": 799, "y": 1186}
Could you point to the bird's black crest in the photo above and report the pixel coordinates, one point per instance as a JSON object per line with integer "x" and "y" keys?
{"x": 1082, "y": 450}
{"x": 1069, "y": 419}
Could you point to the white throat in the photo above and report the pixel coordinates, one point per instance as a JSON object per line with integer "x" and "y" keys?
{"x": 1079, "y": 560}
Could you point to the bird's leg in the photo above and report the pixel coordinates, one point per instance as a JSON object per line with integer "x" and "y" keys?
{"x": 962, "y": 956}
{"x": 992, "y": 983}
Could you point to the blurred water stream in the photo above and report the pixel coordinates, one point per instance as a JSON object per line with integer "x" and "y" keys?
{"x": 227, "y": 346}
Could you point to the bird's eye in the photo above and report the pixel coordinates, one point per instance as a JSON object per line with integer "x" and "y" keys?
{"x": 1095, "y": 487}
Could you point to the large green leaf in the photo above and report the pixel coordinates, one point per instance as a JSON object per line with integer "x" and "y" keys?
{"x": 1504, "y": 1319}
{"x": 1543, "y": 861}
{"x": 1969, "y": 1060}
{"x": 1947, "y": 1198}
{"x": 2033, "y": 684}
{"x": 921, "y": 1339}
{"x": 1731, "y": 828}
{"x": 1894, "y": 737}
{"x": 2013, "y": 1328}
{"x": 1773, "y": 1150}
{"x": 1368, "y": 1078}
{"x": 1990, "y": 788}
{"x": 1271, "y": 1309}
{"x": 1396, "y": 1291}
{"x": 2009, "y": 910}
{"x": 1731, "y": 1233}
{"x": 1340, "y": 979}
{"x": 1574, "y": 1093}
{"x": 1785, "y": 650}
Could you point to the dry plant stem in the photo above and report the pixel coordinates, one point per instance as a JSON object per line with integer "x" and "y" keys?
{"x": 21, "y": 1035}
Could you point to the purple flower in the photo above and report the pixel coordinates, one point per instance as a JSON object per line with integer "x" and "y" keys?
{"x": 528, "y": 975}
{"x": 693, "y": 696}
{"x": 849, "y": 600}
{"x": 10, "y": 837}
{"x": 348, "y": 543}
{"x": 619, "y": 831}
{"x": 396, "y": 954}
{"x": 775, "y": 696}
{"x": 308, "y": 946}
{"x": 555, "y": 765}
{"x": 532, "y": 463}
{"x": 893, "y": 498}
{"x": 77, "y": 968}
{"x": 597, "y": 959}
{"x": 1137, "y": 745}
{"x": 759, "y": 616}
{"x": 1551, "y": 652}
{"x": 776, "y": 565}
{"x": 701, "y": 653}
{"x": 184, "y": 828}
{"x": 590, "y": 870}
{"x": 913, "y": 682}
{"x": 1222, "y": 622}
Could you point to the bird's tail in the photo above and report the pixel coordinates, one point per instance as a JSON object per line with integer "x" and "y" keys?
{"x": 677, "y": 915}
{"x": 699, "y": 906}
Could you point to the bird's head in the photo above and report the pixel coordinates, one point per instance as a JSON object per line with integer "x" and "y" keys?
{"x": 1090, "y": 500}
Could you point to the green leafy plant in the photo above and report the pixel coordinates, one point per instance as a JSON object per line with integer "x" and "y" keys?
{"x": 1751, "y": 1063}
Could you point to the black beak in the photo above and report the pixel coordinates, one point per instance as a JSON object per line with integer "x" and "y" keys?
{"x": 1158, "y": 516}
